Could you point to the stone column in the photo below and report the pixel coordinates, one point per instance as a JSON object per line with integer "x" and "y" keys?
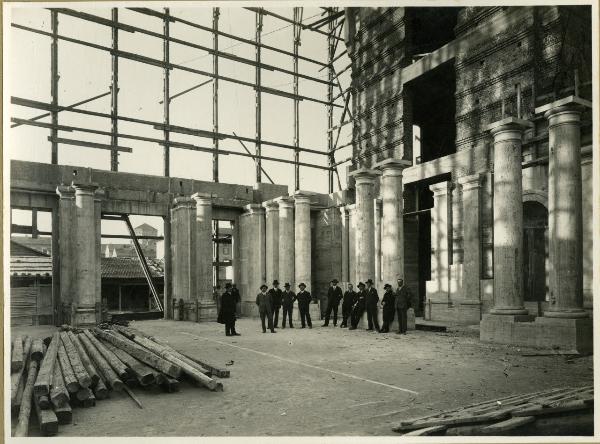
{"x": 565, "y": 226}
{"x": 345, "y": 219}
{"x": 85, "y": 259}
{"x": 437, "y": 288}
{"x": 471, "y": 236}
{"x": 66, "y": 250}
{"x": 286, "y": 242}
{"x": 255, "y": 263}
{"x": 392, "y": 220}
{"x": 352, "y": 274}
{"x": 101, "y": 306}
{"x": 302, "y": 262}
{"x": 207, "y": 309}
{"x": 272, "y": 241}
{"x": 183, "y": 253}
{"x": 365, "y": 231}
{"x": 377, "y": 227}
{"x": 508, "y": 217}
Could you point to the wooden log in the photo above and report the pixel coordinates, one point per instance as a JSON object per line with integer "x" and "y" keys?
{"x": 108, "y": 375}
{"x": 25, "y": 410}
{"x": 190, "y": 371}
{"x": 100, "y": 390}
{"x": 144, "y": 374}
{"x": 46, "y": 372}
{"x": 78, "y": 368}
{"x": 118, "y": 366}
{"x": 507, "y": 425}
{"x": 43, "y": 402}
{"x": 85, "y": 359}
{"x": 167, "y": 383}
{"x": 565, "y": 407}
{"x": 16, "y": 360}
{"x": 47, "y": 420}
{"x": 16, "y": 404}
{"x": 90, "y": 401}
{"x": 59, "y": 396}
{"x": 217, "y": 371}
{"x": 451, "y": 421}
{"x": 83, "y": 393}
{"x": 64, "y": 414}
{"x": 67, "y": 371}
{"x": 427, "y": 431}
{"x": 17, "y": 380}
{"x": 138, "y": 352}
{"x": 37, "y": 350}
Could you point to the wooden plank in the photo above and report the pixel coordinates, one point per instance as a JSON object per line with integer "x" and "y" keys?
{"x": 109, "y": 377}
{"x": 85, "y": 359}
{"x": 540, "y": 410}
{"x": 507, "y": 425}
{"x": 25, "y": 410}
{"x": 116, "y": 364}
{"x": 427, "y": 431}
{"x": 46, "y": 373}
{"x": 67, "y": 371}
{"x": 470, "y": 419}
{"x": 16, "y": 361}
{"x": 86, "y": 144}
{"x": 47, "y": 420}
{"x": 143, "y": 373}
{"x": 37, "y": 350}
{"x": 58, "y": 393}
{"x": 81, "y": 374}
{"x": 64, "y": 414}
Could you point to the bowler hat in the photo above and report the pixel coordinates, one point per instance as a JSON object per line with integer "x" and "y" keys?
{"x": 369, "y": 281}
{"x": 287, "y": 285}
{"x": 335, "y": 281}
{"x": 386, "y": 286}
{"x": 227, "y": 285}
{"x": 361, "y": 284}
{"x": 275, "y": 282}
{"x": 302, "y": 284}
{"x": 263, "y": 286}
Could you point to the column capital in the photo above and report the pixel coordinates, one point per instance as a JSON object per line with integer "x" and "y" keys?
{"x": 254, "y": 209}
{"x": 508, "y": 128}
{"x": 441, "y": 188}
{"x": 284, "y": 202}
{"x": 65, "y": 191}
{"x": 301, "y": 198}
{"x": 365, "y": 176}
{"x": 183, "y": 202}
{"x": 202, "y": 198}
{"x": 574, "y": 102}
{"x": 393, "y": 167}
{"x": 470, "y": 182}
{"x": 99, "y": 194}
{"x": 84, "y": 188}
{"x": 271, "y": 206}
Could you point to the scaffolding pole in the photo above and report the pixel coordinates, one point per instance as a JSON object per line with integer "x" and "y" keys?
{"x": 166, "y": 94}
{"x": 297, "y": 28}
{"x": 54, "y": 83}
{"x": 215, "y": 60}
{"x": 331, "y": 49}
{"x": 114, "y": 96}
{"x": 258, "y": 134}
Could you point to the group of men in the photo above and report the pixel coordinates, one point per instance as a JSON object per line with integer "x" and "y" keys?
{"x": 354, "y": 304}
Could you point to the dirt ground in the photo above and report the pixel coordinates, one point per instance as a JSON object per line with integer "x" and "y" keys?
{"x": 321, "y": 382}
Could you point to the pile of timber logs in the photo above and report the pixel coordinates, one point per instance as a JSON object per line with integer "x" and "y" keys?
{"x": 74, "y": 368}
{"x": 560, "y": 411}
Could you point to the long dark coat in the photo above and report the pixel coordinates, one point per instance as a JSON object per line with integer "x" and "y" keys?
{"x": 288, "y": 299}
{"x": 403, "y": 298}
{"x": 228, "y": 302}
{"x": 372, "y": 297}
{"x": 349, "y": 299}
{"x": 276, "y": 295}
{"x": 388, "y": 305}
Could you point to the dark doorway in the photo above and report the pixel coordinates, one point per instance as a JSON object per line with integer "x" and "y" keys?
{"x": 535, "y": 252}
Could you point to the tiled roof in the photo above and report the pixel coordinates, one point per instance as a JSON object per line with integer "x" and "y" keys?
{"x": 31, "y": 266}
{"x": 129, "y": 268}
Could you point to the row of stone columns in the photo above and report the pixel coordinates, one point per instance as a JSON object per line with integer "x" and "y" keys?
{"x": 564, "y": 212}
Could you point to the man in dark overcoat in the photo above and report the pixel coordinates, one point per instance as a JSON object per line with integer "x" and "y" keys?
{"x": 389, "y": 309}
{"x": 372, "y": 298}
{"x": 403, "y": 302}
{"x": 265, "y": 308}
{"x": 287, "y": 302}
{"x": 304, "y": 298}
{"x": 227, "y": 313}
{"x": 349, "y": 300}
{"x": 276, "y": 294}
{"x": 334, "y": 296}
{"x": 358, "y": 308}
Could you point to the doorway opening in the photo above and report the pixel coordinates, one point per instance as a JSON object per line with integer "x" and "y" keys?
{"x": 535, "y": 254}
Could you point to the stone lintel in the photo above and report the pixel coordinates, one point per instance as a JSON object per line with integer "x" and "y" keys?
{"x": 84, "y": 187}
{"x": 202, "y": 198}
{"x": 65, "y": 191}
{"x": 254, "y": 209}
{"x": 183, "y": 201}
{"x": 566, "y": 101}
{"x": 441, "y": 188}
{"x": 509, "y": 123}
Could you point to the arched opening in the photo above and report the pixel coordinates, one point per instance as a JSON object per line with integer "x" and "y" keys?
{"x": 535, "y": 255}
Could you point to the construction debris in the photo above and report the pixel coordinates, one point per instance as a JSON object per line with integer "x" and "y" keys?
{"x": 525, "y": 414}
{"x": 77, "y": 367}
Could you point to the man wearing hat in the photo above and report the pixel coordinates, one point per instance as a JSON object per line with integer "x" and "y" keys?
{"x": 265, "y": 308}
{"x": 227, "y": 311}
{"x": 359, "y": 306}
{"x": 350, "y": 297}
{"x": 388, "y": 308}
{"x": 304, "y": 299}
{"x": 371, "y": 300}
{"x": 403, "y": 301}
{"x": 276, "y": 294}
{"x": 287, "y": 302}
{"x": 334, "y": 296}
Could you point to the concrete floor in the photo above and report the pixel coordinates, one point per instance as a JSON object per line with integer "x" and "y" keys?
{"x": 321, "y": 382}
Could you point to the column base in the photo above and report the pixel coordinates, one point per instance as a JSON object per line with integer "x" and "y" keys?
{"x": 509, "y": 311}
{"x": 207, "y": 312}
{"x": 574, "y": 335}
{"x": 576, "y": 313}
{"x": 84, "y": 316}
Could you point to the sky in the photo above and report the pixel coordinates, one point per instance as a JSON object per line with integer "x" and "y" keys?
{"x": 85, "y": 72}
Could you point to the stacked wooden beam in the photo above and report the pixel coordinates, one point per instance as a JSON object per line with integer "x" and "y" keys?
{"x": 75, "y": 368}
{"x": 556, "y": 411}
